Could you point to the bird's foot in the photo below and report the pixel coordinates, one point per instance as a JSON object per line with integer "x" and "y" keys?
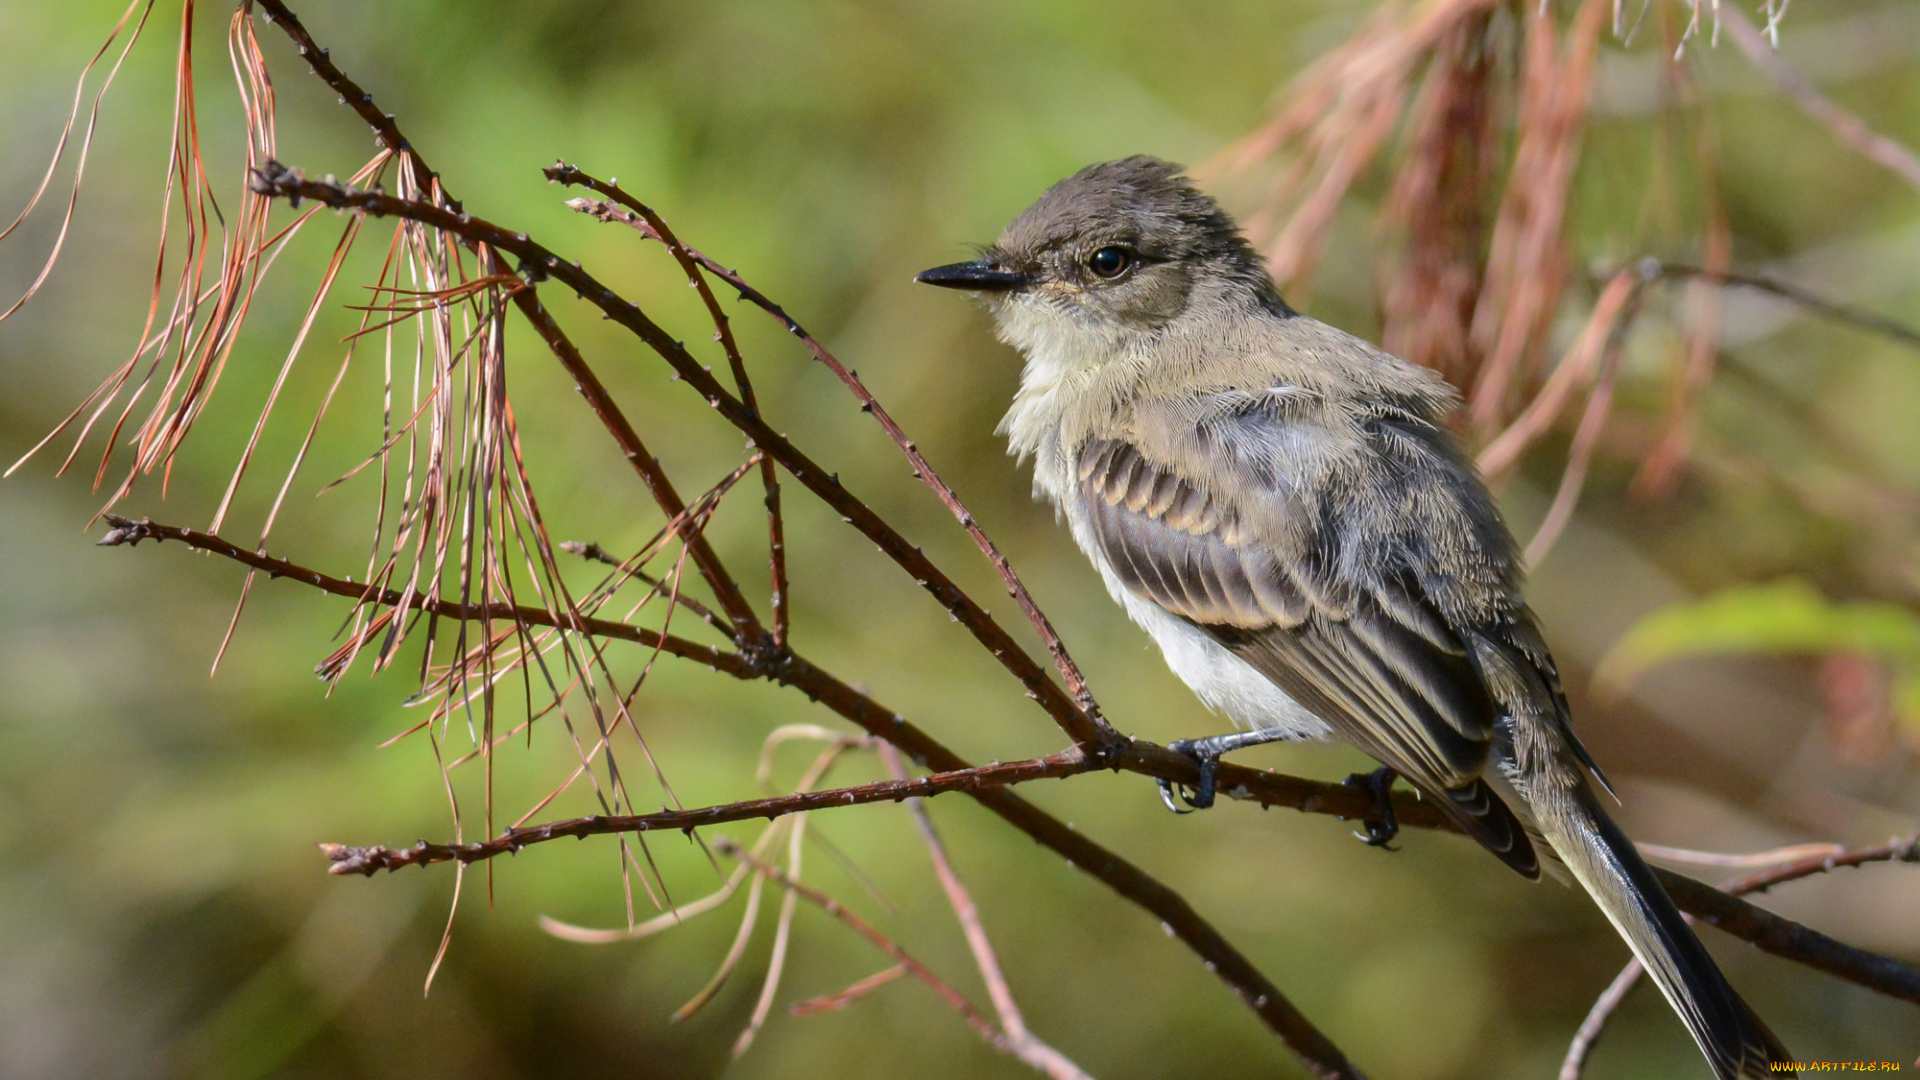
{"x": 1378, "y": 783}
{"x": 1206, "y": 754}
{"x": 1200, "y": 796}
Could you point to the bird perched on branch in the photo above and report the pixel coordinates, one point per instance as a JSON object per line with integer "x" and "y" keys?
{"x": 1282, "y": 507}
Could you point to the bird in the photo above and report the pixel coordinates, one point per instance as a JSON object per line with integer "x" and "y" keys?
{"x": 1284, "y": 509}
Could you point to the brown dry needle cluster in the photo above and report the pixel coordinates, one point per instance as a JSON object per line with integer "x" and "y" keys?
{"x": 1456, "y": 127}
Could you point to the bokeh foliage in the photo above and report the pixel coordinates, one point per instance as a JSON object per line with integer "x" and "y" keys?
{"x": 165, "y": 914}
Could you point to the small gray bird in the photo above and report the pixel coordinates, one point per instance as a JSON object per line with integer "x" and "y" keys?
{"x": 1281, "y": 506}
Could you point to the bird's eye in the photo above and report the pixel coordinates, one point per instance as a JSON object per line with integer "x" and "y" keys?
{"x": 1110, "y": 262}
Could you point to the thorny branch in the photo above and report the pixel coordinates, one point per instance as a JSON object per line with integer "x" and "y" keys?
{"x": 1770, "y": 932}
{"x": 1775, "y": 934}
{"x": 537, "y": 262}
{"x": 648, "y": 223}
{"x": 1123, "y": 877}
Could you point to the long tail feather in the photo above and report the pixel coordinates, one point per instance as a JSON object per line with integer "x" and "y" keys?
{"x": 1736, "y": 1043}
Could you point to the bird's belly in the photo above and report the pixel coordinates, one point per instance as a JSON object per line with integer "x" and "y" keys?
{"x": 1222, "y": 681}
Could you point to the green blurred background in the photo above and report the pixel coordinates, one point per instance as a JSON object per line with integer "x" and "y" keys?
{"x": 163, "y": 911}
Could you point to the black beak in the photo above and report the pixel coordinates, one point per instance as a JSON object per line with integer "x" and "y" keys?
{"x": 980, "y": 275}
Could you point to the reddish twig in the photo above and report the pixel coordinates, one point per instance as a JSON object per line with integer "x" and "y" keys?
{"x": 1264, "y": 788}
{"x": 129, "y": 532}
{"x": 1022, "y": 1043}
{"x": 1580, "y": 365}
{"x": 595, "y": 553}
{"x": 1760, "y": 881}
{"x": 368, "y": 861}
{"x": 962, "y": 903}
{"x": 1585, "y": 437}
{"x": 1595, "y": 1023}
{"x": 842, "y": 998}
{"x": 974, "y": 1018}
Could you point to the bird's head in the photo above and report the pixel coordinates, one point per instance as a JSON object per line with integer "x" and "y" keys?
{"x": 1116, "y": 250}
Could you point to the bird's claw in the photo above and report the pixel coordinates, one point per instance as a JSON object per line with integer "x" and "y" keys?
{"x": 1166, "y": 796}
{"x": 1379, "y": 783}
{"x": 1196, "y": 798}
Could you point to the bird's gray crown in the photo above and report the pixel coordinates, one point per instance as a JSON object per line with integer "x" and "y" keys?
{"x": 1142, "y": 216}
{"x": 1140, "y": 200}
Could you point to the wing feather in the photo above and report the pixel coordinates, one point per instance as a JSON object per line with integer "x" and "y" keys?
{"x": 1381, "y": 666}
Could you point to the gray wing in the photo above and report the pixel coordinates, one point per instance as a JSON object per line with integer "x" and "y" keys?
{"x": 1378, "y": 662}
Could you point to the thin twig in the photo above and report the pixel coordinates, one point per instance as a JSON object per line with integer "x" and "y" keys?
{"x": 1841, "y": 313}
{"x": 723, "y": 333}
{"x": 1760, "y": 881}
{"x": 1268, "y": 789}
{"x": 840, "y": 999}
{"x": 1581, "y": 364}
{"x": 1585, "y": 438}
{"x": 129, "y": 532}
{"x": 1800, "y": 863}
{"x": 1846, "y": 127}
{"x": 974, "y": 1018}
{"x": 1022, "y": 1042}
{"x": 962, "y": 903}
{"x": 1595, "y": 1022}
{"x": 1775, "y": 857}
{"x": 593, "y": 552}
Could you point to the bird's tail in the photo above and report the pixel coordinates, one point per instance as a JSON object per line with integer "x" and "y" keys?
{"x": 1735, "y": 1041}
